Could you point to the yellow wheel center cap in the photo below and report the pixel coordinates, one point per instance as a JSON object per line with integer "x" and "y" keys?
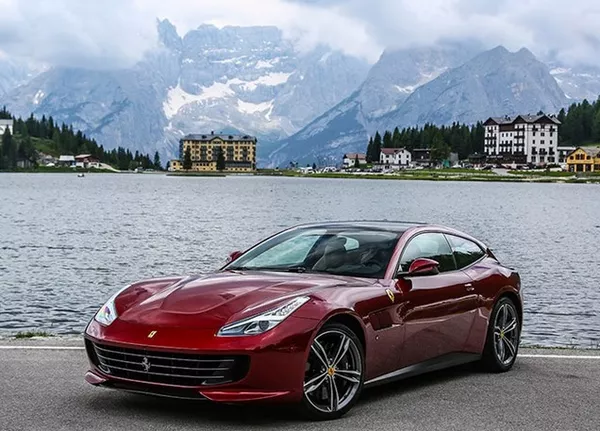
{"x": 331, "y": 371}
{"x": 501, "y": 334}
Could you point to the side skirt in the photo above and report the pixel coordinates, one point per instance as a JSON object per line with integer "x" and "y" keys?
{"x": 439, "y": 363}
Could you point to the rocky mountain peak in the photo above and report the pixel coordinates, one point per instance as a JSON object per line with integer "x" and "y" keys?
{"x": 167, "y": 35}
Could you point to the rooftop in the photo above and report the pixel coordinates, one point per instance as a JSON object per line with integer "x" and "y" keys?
{"x": 524, "y": 119}
{"x": 353, "y": 155}
{"x": 392, "y": 150}
{"x": 224, "y": 137}
{"x": 592, "y": 151}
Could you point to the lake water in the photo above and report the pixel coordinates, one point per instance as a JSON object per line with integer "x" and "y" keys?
{"x": 67, "y": 243}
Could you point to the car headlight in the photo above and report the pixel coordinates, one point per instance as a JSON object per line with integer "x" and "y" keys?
{"x": 108, "y": 313}
{"x": 263, "y": 322}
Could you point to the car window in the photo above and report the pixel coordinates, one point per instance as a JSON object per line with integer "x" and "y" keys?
{"x": 465, "y": 252}
{"x": 353, "y": 252}
{"x": 351, "y": 244}
{"x": 291, "y": 252}
{"x": 430, "y": 246}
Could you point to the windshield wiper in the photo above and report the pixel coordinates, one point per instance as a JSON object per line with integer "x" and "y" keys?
{"x": 298, "y": 269}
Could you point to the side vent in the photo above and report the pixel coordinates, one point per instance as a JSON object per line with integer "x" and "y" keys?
{"x": 380, "y": 320}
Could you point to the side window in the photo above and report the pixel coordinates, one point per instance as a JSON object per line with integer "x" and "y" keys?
{"x": 431, "y": 246}
{"x": 465, "y": 252}
{"x": 351, "y": 244}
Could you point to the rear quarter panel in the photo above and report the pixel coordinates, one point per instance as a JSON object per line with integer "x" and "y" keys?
{"x": 492, "y": 281}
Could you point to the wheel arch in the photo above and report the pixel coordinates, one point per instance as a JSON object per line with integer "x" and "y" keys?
{"x": 514, "y": 297}
{"x": 352, "y": 322}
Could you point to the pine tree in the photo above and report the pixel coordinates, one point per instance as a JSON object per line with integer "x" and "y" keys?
{"x": 439, "y": 148}
{"x": 187, "y": 159}
{"x": 596, "y": 127}
{"x": 376, "y": 147}
{"x": 387, "y": 139}
{"x": 27, "y": 151}
{"x": 397, "y": 138}
{"x": 157, "y": 163}
{"x": 8, "y": 150}
{"x": 370, "y": 151}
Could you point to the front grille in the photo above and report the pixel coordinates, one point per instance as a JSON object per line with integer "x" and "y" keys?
{"x": 172, "y": 368}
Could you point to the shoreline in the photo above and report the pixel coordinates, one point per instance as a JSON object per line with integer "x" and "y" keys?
{"x": 407, "y": 176}
{"x": 491, "y": 177}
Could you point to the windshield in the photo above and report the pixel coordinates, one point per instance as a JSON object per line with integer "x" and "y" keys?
{"x": 354, "y": 252}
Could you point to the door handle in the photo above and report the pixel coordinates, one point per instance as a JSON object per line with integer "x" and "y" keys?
{"x": 469, "y": 287}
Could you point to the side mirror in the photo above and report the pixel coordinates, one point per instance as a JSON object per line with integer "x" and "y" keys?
{"x": 234, "y": 255}
{"x": 422, "y": 266}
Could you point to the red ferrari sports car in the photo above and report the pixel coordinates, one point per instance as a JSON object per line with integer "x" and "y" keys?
{"x": 312, "y": 315}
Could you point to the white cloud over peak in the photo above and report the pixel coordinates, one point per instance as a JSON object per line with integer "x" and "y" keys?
{"x": 116, "y": 33}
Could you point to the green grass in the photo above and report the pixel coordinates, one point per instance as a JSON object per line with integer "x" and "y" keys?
{"x": 31, "y": 334}
{"x": 45, "y": 146}
{"x": 60, "y": 170}
{"x": 542, "y": 173}
{"x": 449, "y": 171}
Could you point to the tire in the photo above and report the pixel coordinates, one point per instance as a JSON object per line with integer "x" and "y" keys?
{"x": 503, "y": 337}
{"x": 345, "y": 372}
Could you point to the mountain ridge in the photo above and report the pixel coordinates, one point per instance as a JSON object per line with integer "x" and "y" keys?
{"x": 309, "y": 105}
{"x": 466, "y": 93}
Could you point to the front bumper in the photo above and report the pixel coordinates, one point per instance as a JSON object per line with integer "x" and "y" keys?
{"x": 275, "y": 360}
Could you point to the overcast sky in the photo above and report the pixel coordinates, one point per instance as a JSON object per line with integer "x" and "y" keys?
{"x": 114, "y": 33}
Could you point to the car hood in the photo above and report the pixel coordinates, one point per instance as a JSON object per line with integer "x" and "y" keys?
{"x": 211, "y": 301}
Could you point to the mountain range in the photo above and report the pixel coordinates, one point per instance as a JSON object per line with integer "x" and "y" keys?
{"x": 303, "y": 105}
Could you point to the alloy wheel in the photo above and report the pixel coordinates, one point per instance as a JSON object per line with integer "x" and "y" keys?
{"x": 333, "y": 371}
{"x": 506, "y": 333}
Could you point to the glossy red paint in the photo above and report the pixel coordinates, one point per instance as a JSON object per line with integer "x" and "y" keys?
{"x": 423, "y": 267}
{"x": 402, "y": 320}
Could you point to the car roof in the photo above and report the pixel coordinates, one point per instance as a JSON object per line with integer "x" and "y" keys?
{"x": 398, "y": 227}
{"x": 384, "y": 225}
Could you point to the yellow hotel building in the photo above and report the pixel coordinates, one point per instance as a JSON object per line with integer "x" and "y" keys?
{"x": 584, "y": 159}
{"x": 238, "y": 151}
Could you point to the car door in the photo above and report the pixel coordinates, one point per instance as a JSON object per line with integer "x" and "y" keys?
{"x": 437, "y": 308}
{"x": 470, "y": 258}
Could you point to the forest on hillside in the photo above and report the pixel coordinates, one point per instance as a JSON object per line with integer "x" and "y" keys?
{"x": 33, "y": 136}
{"x": 580, "y": 125}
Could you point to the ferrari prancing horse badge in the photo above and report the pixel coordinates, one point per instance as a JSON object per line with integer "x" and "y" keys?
{"x": 390, "y": 294}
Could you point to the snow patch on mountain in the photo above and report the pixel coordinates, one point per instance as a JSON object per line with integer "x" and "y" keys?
{"x": 270, "y": 79}
{"x": 177, "y": 97}
{"x": 253, "y": 108}
{"x": 38, "y": 97}
{"x": 267, "y": 64}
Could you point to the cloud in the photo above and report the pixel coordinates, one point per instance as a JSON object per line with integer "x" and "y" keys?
{"x": 544, "y": 26}
{"x": 116, "y": 33}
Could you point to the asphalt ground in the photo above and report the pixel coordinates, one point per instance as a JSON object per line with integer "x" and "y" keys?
{"x": 42, "y": 388}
